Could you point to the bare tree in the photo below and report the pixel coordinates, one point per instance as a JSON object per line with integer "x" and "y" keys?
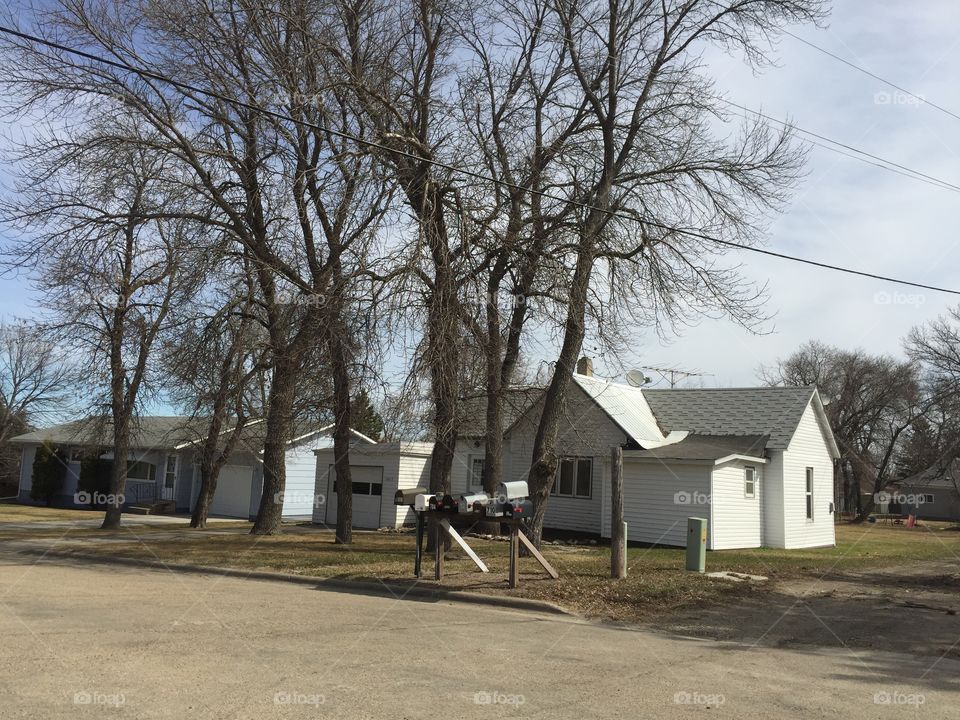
{"x": 296, "y": 198}
{"x": 104, "y": 240}
{"x": 35, "y": 379}
{"x": 647, "y": 166}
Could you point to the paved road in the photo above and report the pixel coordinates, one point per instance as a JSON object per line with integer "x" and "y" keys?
{"x": 120, "y": 642}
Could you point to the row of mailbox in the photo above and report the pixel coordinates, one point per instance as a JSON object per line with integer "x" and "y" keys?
{"x": 510, "y": 500}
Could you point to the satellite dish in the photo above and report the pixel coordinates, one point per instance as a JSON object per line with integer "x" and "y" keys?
{"x": 637, "y": 378}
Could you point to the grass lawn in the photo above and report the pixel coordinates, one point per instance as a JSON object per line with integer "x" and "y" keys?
{"x": 656, "y": 579}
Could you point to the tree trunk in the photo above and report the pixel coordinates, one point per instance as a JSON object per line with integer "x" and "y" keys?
{"x": 283, "y": 387}
{"x": 341, "y": 435}
{"x": 543, "y": 466}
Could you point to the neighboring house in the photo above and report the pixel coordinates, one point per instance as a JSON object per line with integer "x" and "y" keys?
{"x": 928, "y": 495}
{"x": 757, "y": 463}
{"x": 162, "y": 465}
{"x": 377, "y": 471}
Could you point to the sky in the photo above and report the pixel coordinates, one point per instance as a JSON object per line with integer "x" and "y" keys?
{"x": 844, "y": 212}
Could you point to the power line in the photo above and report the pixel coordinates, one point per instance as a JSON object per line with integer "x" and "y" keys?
{"x": 469, "y": 173}
{"x": 873, "y": 75}
{"x": 866, "y": 157}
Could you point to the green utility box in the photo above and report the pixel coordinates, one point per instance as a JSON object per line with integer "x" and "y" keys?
{"x": 696, "y": 544}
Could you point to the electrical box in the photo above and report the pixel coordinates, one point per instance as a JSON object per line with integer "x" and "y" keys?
{"x": 696, "y": 544}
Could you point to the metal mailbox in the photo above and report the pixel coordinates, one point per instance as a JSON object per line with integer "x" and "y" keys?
{"x": 473, "y": 502}
{"x": 424, "y": 501}
{"x": 519, "y": 509}
{"x": 515, "y": 490}
{"x": 408, "y": 497}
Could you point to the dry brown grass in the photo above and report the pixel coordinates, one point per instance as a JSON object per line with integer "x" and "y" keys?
{"x": 656, "y": 582}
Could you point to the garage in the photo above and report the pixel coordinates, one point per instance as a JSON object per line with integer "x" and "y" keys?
{"x": 232, "y": 498}
{"x": 367, "y": 483}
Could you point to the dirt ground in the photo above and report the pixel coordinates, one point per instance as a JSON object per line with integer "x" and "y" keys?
{"x": 912, "y": 608}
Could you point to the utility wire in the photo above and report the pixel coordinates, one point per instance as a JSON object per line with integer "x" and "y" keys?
{"x": 462, "y": 171}
{"x": 873, "y": 75}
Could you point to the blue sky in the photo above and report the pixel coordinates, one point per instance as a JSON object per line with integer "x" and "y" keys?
{"x": 845, "y": 212}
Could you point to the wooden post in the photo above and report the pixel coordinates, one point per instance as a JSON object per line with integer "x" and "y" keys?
{"x": 618, "y": 551}
{"x": 514, "y": 555}
{"x": 437, "y": 550}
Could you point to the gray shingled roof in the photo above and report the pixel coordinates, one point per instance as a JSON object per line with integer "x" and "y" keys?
{"x": 707, "y": 447}
{"x": 773, "y": 411}
{"x": 159, "y": 431}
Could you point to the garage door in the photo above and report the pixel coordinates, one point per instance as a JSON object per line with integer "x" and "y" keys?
{"x": 367, "y": 494}
{"x": 232, "y": 498}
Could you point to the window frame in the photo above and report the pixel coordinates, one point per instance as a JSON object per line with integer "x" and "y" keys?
{"x": 576, "y": 460}
{"x": 475, "y": 482}
{"x": 751, "y": 471}
{"x": 151, "y": 473}
{"x": 929, "y": 498}
{"x": 808, "y": 493}
{"x": 171, "y": 474}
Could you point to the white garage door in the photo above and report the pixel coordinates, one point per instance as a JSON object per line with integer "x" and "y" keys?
{"x": 232, "y": 498}
{"x": 367, "y": 493}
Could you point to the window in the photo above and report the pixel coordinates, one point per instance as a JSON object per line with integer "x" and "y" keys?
{"x": 76, "y": 454}
{"x": 170, "y": 475}
{"x": 749, "y": 482}
{"x": 367, "y": 488}
{"x": 809, "y": 493}
{"x": 140, "y": 470}
{"x": 476, "y": 465}
{"x": 574, "y": 478}
{"x": 927, "y": 498}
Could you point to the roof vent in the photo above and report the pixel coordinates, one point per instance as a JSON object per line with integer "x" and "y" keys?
{"x": 585, "y": 366}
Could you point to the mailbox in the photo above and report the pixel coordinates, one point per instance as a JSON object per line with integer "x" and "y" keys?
{"x": 516, "y": 490}
{"x": 443, "y": 502}
{"x": 408, "y": 497}
{"x": 424, "y": 501}
{"x": 474, "y": 502}
{"x": 519, "y": 509}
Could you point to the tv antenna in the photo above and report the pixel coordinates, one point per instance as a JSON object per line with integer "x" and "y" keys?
{"x": 672, "y": 375}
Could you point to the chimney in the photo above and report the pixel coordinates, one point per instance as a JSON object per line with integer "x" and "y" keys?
{"x": 585, "y": 366}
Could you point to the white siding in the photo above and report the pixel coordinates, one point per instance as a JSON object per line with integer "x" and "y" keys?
{"x": 735, "y": 518}
{"x": 301, "y": 470}
{"x": 404, "y": 466}
{"x": 808, "y": 448}
{"x": 585, "y": 431}
{"x": 465, "y": 451}
{"x": 773, "y": 501}
{"x": 650, "y": 503}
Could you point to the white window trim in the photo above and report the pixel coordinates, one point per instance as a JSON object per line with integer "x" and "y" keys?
{"x": 555, "y": 490}
{"x": 474, "y": 483}
{"x": 752, "y": 472}
{"x": 809, "y": 478}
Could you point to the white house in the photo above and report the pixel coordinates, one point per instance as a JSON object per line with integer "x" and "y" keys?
{"x": 162, "y": 465}
{"x": 756, "y": 462}
{"x": 377, "y": 471}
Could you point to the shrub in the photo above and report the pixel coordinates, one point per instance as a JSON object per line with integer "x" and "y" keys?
{"x": 94, "y": 477}
{"x": 48, "y": 474}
